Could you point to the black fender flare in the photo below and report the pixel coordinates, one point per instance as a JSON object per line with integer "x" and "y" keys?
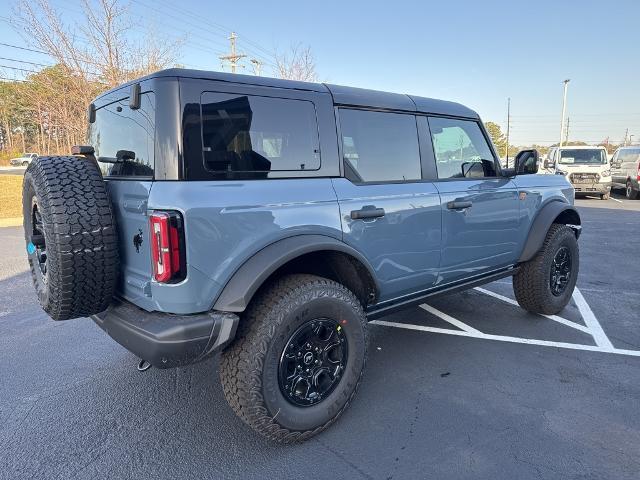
{"x": 244, "y": 283}
{"x": 543, "y": 221}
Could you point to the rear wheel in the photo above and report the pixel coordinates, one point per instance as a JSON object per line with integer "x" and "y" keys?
{"x": 631, "y": 193}
{"x": 298, "y": 358}
{"x": 545, "y": 283}
{"x": 70, "y": 235}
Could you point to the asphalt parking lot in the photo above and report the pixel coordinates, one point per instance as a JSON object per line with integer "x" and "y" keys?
{"x": 469, "y": 387}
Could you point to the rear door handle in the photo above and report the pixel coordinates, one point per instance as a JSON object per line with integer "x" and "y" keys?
{"x": 368, "y": 211}
{"x": 459, "y": 205}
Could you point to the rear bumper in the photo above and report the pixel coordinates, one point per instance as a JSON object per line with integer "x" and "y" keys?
{"x": 167, "y": 340}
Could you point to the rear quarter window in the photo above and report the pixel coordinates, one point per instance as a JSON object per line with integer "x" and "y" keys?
{"x": 123, "y": 138}
{"x": 250, "y": 136}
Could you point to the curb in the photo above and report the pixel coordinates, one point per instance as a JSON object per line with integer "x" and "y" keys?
{"x": 11, "y": 222}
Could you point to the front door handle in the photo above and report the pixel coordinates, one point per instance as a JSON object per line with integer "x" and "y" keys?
{"x": 368, "y": 211}
{"x": 459, "y": 205}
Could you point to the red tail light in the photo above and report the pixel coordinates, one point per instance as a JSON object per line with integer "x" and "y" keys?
{"x": 167, "y": 246}
{"x": 638, "y": 176}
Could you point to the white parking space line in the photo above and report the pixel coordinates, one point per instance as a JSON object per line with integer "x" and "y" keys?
{"x": 555, "y": 318}
{"x": 449, "y": 318}
{"x": 615, "y": 200}
{"x": 593, "y": 328}
{"x": 503, "y": 338}
{"x": 589, "y": 318}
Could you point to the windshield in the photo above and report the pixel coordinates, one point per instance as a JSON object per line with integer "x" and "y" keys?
{"x": 583, "y": 156}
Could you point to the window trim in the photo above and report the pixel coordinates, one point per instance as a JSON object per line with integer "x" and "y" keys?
{"x": 240, "y": 173}
{"x": 339, "y": 138}
{"x": 496, "y": 163}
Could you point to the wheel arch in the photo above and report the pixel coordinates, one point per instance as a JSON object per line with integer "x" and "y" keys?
{"x": 552, "y": 212}
{"x": 315, "y": 254}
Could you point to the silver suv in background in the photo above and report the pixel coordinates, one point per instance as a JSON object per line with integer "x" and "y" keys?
{"x": 587, "y": 168}
{"x": 625, "y": 170}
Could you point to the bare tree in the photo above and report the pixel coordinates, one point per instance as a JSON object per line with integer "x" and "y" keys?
{"x": 297, "y": 64}
{"x": 108, "y": 45}
{"x": 105, "y": 49}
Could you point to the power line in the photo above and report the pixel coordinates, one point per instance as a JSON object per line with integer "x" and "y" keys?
{"x": 12, "y": 79}
{"x": 19, "y": 69}
{"x": 24, "y": 61}
{"x": 201, "y": 26}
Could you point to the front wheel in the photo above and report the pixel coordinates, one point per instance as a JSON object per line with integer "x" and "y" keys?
{"x": 298, "y": 358}
{"x": 545, "y": 283}
{"x": 605, "y": 196}
{"x": 630, "y": 192}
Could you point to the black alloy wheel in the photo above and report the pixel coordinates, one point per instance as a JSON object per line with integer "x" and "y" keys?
{"x": 37, "y": 245}
{"x": 560, "y": 271}
{"x": 312, "y": 362}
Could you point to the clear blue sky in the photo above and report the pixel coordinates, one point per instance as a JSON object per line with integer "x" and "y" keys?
{"x": 475, "y": 52}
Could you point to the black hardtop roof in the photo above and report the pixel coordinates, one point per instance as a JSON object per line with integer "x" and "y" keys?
{"x": 352, "y": 96}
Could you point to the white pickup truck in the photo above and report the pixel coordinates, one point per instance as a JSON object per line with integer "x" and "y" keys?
{"x": 587, "y": 168}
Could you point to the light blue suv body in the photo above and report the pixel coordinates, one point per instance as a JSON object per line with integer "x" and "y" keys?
{"x": 396, "y": 197}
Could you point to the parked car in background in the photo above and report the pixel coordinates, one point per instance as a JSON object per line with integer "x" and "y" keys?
{"x": 587, "y": 168}
{"x": 24, "y": 160}
{"x": 625, "y": 170}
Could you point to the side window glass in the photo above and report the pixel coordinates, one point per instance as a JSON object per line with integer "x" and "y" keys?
{"x": 461, "y": 149}
{"x": 123, "y": 138}
{"x": 379, "y": 147}
{"x": 258, "y": 134}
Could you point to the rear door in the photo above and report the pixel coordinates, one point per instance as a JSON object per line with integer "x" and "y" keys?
{"x": 389, "y": 212}
{"x": 123, "y": 139}
{"x": 480, "y": 210}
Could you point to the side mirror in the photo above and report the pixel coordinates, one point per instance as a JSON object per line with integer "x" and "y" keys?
{"x": 526, "y": 162}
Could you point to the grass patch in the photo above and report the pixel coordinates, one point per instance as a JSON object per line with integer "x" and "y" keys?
{"x": 10, "y": 196}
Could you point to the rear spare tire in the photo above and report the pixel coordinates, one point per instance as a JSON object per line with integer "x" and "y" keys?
{"x": 71, "y": 236}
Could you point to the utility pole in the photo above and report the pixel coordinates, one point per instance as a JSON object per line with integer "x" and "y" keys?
{"x": 566, "y": 132}
{"x": 506, "y": 153}
{"x": 564, "y": 108}
{"x": 257, "y": 66}
{"x": 232, "y": 57}
{"x": 626, "y": 134}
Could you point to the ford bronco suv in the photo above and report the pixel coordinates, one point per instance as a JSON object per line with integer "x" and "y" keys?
{"x": 270, "y": 219}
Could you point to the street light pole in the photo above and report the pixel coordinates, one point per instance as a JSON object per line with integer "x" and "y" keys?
{"x": 506, "y": 153}
{"x": 564, "y": 108}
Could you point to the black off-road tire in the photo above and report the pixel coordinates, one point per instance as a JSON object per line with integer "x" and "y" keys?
{"x": 630, "y": 193}
{"x": 68, "y": 198}
{"x": 249, "y": 366}
{"x": 531, "y": 284}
